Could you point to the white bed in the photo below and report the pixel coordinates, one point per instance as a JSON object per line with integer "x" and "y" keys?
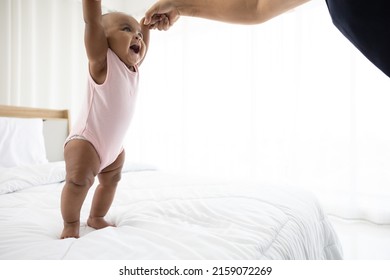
{"x": 162, "y": 216}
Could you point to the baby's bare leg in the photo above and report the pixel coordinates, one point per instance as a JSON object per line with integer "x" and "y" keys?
{"x": 105, "y": 192}
{"x": 82, "y": 165}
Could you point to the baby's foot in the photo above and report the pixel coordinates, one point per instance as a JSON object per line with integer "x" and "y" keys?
{"x": 71, "y": 230}
{"x": 98, "y": 223}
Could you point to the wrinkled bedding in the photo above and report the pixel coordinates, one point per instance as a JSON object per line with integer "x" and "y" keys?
{"x": 164, "y": 216}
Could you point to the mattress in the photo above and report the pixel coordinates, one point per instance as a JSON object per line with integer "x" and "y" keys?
{"x": 164, "y": 216}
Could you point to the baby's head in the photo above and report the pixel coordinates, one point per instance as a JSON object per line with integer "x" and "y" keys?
{"x": 124, "y": 37}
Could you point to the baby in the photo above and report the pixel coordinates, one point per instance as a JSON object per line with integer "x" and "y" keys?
{"x": 116, "y": 45}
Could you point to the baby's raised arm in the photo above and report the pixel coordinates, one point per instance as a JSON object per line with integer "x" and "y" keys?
{"x": 95, "y": 40}
{"x": 146, "y": 37}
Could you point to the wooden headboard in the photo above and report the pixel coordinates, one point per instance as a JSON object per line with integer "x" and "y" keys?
{"x": 56, "y": 125}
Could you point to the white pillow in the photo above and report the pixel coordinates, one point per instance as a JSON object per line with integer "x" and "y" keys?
{"x": 21, "y": 142}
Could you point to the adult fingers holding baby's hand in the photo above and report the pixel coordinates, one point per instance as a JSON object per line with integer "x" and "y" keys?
{"x": 162, "y": 23}
{"x": 162, "y": 15}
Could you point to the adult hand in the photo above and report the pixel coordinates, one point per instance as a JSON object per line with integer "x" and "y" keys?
{"x": 162, "y": 15}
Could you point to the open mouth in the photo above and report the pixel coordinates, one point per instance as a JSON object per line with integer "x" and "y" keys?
{"x": 135, "y": 48}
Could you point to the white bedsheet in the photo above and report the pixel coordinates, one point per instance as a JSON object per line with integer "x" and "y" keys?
{"x": 165, "y": 216}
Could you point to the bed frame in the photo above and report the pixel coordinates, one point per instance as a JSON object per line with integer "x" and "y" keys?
{"x": 56, "y": 126}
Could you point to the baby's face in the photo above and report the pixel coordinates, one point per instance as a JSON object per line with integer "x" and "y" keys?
{"x": 124, "y": 37}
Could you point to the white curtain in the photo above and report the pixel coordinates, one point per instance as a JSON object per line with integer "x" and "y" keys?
{"x": 41, "y": 53}
{"x": 289, "y": 102}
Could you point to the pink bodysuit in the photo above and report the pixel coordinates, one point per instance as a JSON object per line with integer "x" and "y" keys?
{"x": 108, "y": 110}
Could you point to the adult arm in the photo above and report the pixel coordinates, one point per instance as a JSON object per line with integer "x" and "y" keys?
{"x": 230, "y": 11}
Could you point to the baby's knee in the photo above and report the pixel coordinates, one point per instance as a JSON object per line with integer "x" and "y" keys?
{"x": 110, "y": 179}
{"x": 80, "y": 179}
{"x": 116, "y": 178}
